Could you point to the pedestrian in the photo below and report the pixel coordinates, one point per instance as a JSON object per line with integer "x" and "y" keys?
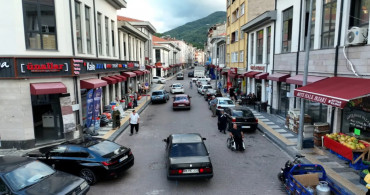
{"x": 238, "y": 136}
{"x": 134, "y": 122}
{"x": 222, "y": 121}
{"x": 232, "y": 94}
{"x": 213, "y": 104}
{"x": 116, "y": 118}
{"x": 135, "y": 99}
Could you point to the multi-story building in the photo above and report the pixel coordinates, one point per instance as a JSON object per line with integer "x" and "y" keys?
{"x": 59, "y": 55}
{"x": 216, "y": 49}
{"x": 338, "y": 71}
{"x": 165, "y": 53}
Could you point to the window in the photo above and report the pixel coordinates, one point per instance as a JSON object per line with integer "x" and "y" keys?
{"x": 287, "y": 30}
{"x": 241, "y": 56}
{"x": 236, "y": 35}
{"x": 252, "y": 48}
{"x": 234, "y": 57}
{"x": 234, "y": 16}
{"x": 88, "y": 30}
{"x": 359, "y": 15}
{"x": 78, "y": 26}
{"x": 39, "y": 24}
{"x": 268, "y": 44}
{"x": 241, "y": 35}
{"x": 259, "y": 51}
{"x": 228, "y": 2}
{"x": 100, "y": 35}
{"x": 233, "y": 37}
{"x": 112, "y": 29}
{"x": 242, "y": 9}
{"x": 228, "y": 39}
{"x": 157, "y": 55}
{"x": 106, "y": 37}
{"x": 312, "y": 36}
{"x": 328, "y": 23}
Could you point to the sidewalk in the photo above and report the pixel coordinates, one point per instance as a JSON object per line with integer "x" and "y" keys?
{"x": 273, "y": 127}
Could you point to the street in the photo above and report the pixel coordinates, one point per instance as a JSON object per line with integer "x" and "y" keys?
{"x": 252, "y": 172}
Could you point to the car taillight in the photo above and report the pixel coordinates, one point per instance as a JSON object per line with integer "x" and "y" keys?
{"x": 130, "y": 153}
{"x": 176, "y": 171}
{"x": 233, "y": 119}
{"x": 109, "y": 163}
{"x": 205, "y": 170}
{"x": 256, "y": 120}
{"x": 219, "y": 107}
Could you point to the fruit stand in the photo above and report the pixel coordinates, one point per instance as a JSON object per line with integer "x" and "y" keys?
{"x": 346, "y": 146}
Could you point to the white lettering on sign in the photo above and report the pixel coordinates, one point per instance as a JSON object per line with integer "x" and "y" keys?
{"x": 4, "y": 65}
{"x": 312, "y": 97}
{"x": 335, "y": 102}
{"x": 77, "y": 61}
{"x": 90, "y": 66}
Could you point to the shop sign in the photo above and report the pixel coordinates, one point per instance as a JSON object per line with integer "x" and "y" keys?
{"x": 89, "y": 66}
{"x": 36, "y": 67}
{"x": 358, "y": 120}
{"x": 6, "y": 67}
{"x": 321, "y": 99}
{"x": 261, "y": 68}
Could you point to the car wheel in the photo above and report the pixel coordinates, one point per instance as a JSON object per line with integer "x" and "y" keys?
{"x": 89, "y": 176}
{"x": 228, "y": 142}
{"x": 159, "y": 82}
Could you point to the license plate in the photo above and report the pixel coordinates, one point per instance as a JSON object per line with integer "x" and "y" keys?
{"x": 246, "y": 126}
{"x": 187, "y": 171}
{"x": 123, "y": 158}
{"x": 181, "y": 104}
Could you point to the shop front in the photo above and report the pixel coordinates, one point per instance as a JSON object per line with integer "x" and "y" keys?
{"x": 131, "y": 81}
{"x": 280, "y": 100}
{"x": 261, "y": 90}
{"x": 253, "y": 85}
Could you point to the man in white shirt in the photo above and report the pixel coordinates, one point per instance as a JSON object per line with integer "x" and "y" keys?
{"x": 134, "y": 122}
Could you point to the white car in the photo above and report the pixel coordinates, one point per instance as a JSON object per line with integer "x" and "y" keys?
{"x": 204, "y": 88}
{"x": 158, "y": 80}
{"x": 177, "y": 88}
{"x": 223, "y": 102}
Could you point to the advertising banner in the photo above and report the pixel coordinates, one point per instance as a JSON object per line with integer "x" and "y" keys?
{"x": 97, "y": 97}
{"x": 90, "y": 107}
{"x": 69, "y": 121}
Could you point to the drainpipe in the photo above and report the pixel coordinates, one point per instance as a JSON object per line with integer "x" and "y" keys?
{"x": 96, "y": 34}
{"x": 336, "y": 58}
{"x": 299, "y": 47}
{"x": 72, "y": 37}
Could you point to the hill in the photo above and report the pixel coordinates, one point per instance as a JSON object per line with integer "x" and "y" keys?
{"x": 196, "y": 32}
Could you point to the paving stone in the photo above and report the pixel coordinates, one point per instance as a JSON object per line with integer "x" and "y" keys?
{"x": 274, "y": 126}
{"x": 293, "y": 139}
{"x": 265, "y": 119}
{"x": 350, "y": 176}
{"x": 341, "y": 170}
{"x": 332, "y": 164}
{"x": 269, "y": 123}
{"x": 286, "y": 134}
{"x": 280, "y": 130}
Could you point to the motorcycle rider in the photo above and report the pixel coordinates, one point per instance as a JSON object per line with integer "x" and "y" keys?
{"x": 238, "y": 136}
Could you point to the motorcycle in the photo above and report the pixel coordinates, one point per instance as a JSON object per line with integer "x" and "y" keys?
{"x": 283, "y": 174}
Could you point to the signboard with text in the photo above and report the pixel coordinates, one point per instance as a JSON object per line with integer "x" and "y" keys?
{"x": 6, "y": 67}
{"x": 83, "y": 66}
{"x": 320, "y": 99}
{"x": 39, "y": 67}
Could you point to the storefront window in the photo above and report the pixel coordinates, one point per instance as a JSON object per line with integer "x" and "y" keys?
{"x": 318, "y": 112}
{"x": 39, "y": 24}
{"x": 100, "y": 46}
{"x": 259, "y": 47}
{"x": 106, "y": 37}
{"x": 284, "y": 100}
{"x": 356, "y": 116}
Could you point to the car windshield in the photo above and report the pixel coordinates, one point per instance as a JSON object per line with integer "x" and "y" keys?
{"x": 174, "y": 86}
{"x": 207, "y": 87}
{"x": 180, "y": 98}
{"x": 104, "y": 148}
{"x": 242, "y": 113}
{"x": 188, "y": 149}
{"x": 28, "y": 175}
{"x": 226, "y": 102}
{"x": 157, "y": 93}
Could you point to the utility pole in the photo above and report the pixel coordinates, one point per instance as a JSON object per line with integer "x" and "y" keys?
{"x": 307, "y": 58}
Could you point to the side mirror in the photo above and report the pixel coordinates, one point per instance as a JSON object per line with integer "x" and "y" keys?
{"x": 204, "y": 138}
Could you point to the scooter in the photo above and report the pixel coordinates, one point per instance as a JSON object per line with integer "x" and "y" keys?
{"x": 283, "y": 174}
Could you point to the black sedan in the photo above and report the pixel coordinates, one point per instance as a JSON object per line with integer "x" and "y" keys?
{"x": 91, "y": 159}
{"x": 243, "y": 117}
{"x": 187, "y": 157}
{"x": 191, "y": 74}
{"x": 21, "y": 175}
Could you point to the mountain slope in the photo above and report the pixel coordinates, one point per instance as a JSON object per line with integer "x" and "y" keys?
{"x": 196, "y": 32}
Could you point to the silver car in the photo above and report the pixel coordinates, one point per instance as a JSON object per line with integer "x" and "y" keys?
{"x": 158, "y": 80}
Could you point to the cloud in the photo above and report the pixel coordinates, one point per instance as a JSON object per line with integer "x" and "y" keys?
{"x": 168, "y": 14}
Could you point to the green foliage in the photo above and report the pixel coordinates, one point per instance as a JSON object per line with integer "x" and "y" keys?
{"x": 196, "y": 32}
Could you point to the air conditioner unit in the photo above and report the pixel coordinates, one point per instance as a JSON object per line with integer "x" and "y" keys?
{"x": 356, "y": 36}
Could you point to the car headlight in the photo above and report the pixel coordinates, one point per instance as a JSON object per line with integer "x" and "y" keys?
{"x": 83, "y": 185}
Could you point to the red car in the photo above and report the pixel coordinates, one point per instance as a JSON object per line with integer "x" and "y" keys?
{"x": 181, "y": 101}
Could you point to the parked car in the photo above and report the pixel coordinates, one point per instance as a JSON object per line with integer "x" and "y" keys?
{"x": 243, "y": 117}
{"x": 91, "y": 158}
{"x": 187, "y": 157}
{"x": 209, "y": 93}
{"x": 204, "y": 88}
{"x": 159, "y": 96}
{"x": 22, "y": 175}
{"x": 180, "y": 76}
{"x": 191, "y": 74}
{"x": 177, "y": 88}
{"x": 200, "y": 83}
{"x": 158, "y": 80}
{"x": 222, "y": 103}
{"x": 181, "y": 101}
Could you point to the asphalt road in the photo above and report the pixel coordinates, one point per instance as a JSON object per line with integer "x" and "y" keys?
{"x": 251, "y": 172}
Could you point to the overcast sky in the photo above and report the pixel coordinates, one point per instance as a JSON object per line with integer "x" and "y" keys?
{"x": 165, "y": 15}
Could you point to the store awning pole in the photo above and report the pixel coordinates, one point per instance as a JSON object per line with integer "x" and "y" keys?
{"x": 307, "y": 58}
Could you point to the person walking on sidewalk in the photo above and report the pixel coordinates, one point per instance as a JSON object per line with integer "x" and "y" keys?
{"x": 135, "y": 99}
{"x": 134, "y": 122}
{"x": 222, "y": 121}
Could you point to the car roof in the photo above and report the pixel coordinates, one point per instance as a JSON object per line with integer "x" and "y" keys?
{"x": 9, "y": 163}
{"x": 176, "y": 84}
{"x": 223, "y": 98}
{"x": 186, "y": 138}
{"x": 158, "y": 91}
{"x": 87, "y": 142}
{"x": 181, "y": 95}
{"x": 239, "y": 108}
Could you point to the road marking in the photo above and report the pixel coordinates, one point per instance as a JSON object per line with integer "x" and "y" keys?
{"x": 287, "y": 134}
{"x": 265, "y": 120}
{"x": 270, "y": 123}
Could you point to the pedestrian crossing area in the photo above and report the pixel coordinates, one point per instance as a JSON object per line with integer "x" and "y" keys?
{"x": 281, "y": 130}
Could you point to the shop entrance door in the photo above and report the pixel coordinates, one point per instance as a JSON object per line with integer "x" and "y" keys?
{"x": 283, "y": 100}
{"x": 258, "y": 89}
{"x": 158, "y": 72}
{"x": 47, "y": 118}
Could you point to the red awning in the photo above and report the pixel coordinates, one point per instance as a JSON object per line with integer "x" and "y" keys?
{"x": 251, "y": 74}
{"x": 148, "y": 67}
{"x": 280, "y": 77}
{"x": 110, "y": 80}
{"x": 122, "y": 77}
{"x": 48, "y": 88}
{"x": 298, "y": 79}
{"x": 128, "y": 74}
{"x": 138, "y": 72}
{"x": 219, "y": 69}
{"x": 92, "y": 83}
{"x": 335, "y": 91}
{"x": 262, "y": 75}
{"x": 240, "y": 76}
{"x": 224, "y": 73}
{"x": 119, "y": 79}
